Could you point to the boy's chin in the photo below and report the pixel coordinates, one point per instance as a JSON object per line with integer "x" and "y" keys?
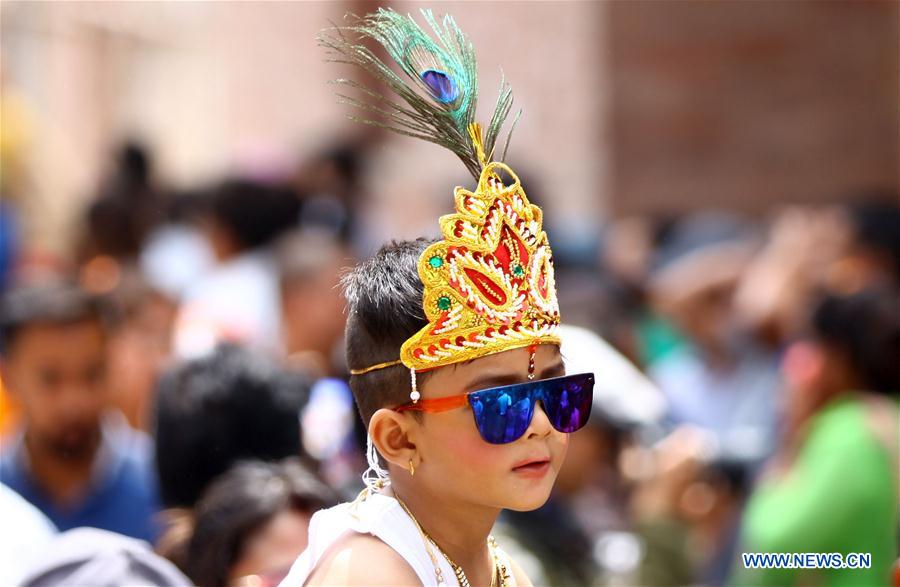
{"x": 526, "y": 501}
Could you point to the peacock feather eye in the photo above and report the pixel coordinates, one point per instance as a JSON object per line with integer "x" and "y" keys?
{"x": 441, "y": 85}
{"x": 435, "y": 96}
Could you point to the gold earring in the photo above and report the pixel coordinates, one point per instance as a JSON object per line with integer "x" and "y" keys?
{"x": 412, "y": 469}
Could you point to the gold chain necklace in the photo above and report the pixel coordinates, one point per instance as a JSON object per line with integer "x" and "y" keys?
{"x": 500, "y": 570}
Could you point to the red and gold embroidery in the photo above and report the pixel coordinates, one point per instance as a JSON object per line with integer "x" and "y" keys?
{"x": 489, "y": 285}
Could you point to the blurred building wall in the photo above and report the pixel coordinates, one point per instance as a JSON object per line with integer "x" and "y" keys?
{"x": 207, "y": 86}
{"x": 629, "y": 106}
{"x": 214, "y": 85}
{"x": 553, "y": 55}
{"x": 748, "y": 104}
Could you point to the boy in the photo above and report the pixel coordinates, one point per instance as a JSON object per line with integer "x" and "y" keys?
{"x": 474, "y": 415}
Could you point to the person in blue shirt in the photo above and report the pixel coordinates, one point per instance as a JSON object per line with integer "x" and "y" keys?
{"x": 71, "y": 457}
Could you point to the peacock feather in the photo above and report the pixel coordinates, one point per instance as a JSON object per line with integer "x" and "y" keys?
{"x": 437, "y": 82}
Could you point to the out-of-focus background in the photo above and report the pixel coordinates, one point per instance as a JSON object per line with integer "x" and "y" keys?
{"x": 181, "y": 190}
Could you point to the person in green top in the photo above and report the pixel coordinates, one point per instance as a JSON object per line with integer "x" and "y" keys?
{"x": 832, "y": 487}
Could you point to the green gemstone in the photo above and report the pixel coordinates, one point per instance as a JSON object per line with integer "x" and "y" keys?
{"x": 518, "y": 270}
{"x": 444, "y": 303}
{"x": 436, "y": 261}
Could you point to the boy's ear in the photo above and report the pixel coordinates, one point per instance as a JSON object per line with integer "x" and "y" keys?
{"x": 393, "y": 434}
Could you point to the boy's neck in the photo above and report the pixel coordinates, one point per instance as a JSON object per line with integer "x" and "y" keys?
{"x": 459, "y": 529}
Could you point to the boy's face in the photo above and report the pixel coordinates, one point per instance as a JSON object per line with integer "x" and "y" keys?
{"x": 473, "y": 470}
{"x": 56, "y": 373}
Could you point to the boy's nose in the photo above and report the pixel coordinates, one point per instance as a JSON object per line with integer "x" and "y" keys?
{"x": 540, "y": 425}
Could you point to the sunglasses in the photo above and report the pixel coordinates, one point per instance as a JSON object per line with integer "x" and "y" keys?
{"x": 503, "y": 414}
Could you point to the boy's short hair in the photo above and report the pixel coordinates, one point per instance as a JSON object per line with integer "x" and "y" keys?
{"x": 215, "y": 411}
{"x": 384, "y": 299}
{"x": 55, "y": 303}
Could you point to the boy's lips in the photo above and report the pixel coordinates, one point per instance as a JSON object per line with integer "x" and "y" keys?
{"x": 533, "y": 467}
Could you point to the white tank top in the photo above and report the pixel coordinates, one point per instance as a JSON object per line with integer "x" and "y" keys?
{"x": 382, "y": 517}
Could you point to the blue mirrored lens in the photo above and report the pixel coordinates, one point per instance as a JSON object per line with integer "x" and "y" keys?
{"x": 568, "y": 404}
{"x": 502, "y": 414}
{"x": 502, "y": 417}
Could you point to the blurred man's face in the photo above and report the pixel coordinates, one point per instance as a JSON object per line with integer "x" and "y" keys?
{"x": 708, "y": 317}
{"x": 590, "y": 451}
{"x": 57, "y": 373}
{"x": 313, "y": 314}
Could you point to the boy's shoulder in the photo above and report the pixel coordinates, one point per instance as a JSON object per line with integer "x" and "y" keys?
{"x": 362, "y": 559}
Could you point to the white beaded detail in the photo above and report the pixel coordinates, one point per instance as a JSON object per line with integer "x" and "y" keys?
{"x": 374, "y": 477}
{"x": 414, "y": 395}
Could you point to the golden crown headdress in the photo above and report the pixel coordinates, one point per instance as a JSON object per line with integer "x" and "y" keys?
{"x": 489, "y": 283}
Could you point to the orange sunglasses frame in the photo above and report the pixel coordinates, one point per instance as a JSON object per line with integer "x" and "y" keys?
{"x": 452, "y": 402}
{"x": 438, "y": 405}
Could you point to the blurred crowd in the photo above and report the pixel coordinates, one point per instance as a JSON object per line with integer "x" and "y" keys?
{"x": 175, "y": 403}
